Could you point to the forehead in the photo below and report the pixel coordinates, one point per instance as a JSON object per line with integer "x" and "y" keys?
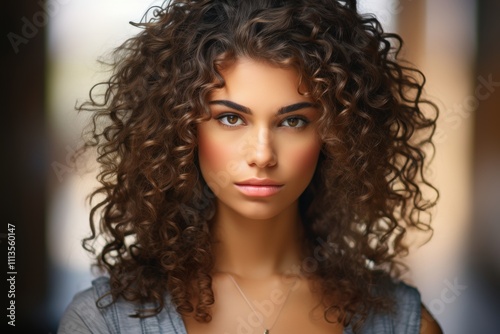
{"x": 251, "y": 81}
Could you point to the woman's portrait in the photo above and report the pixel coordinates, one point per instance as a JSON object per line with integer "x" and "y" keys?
{"x": 267, "y": 166}
{"x": 251, "y": 149}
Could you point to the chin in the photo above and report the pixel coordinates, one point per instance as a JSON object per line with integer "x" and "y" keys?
{"x": 259, "y": 211}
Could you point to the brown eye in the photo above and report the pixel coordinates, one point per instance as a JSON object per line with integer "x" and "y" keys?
{"x": 294, "y": 122}
{"x": 232, "y": 119}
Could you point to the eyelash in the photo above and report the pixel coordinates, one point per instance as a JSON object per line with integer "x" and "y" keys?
{"x": 304, "y": 120}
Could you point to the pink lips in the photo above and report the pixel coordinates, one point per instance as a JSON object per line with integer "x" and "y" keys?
{"x": 258, "y": 187}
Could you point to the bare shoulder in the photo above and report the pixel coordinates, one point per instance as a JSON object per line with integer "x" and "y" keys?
{"x": 429, "y": 325}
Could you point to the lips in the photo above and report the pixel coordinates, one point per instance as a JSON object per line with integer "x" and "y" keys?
{"x": 259, "y": 187}
{"x": 259, "y": 182}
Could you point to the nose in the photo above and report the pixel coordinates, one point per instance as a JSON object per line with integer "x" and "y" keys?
{"x": 260, "y": 149}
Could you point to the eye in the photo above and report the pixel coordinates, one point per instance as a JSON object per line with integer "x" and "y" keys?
{"x": 294, "y": 122}
{"x": 230, "y": 120}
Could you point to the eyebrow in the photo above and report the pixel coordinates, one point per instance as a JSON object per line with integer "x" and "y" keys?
{"x": 246, "y": 110}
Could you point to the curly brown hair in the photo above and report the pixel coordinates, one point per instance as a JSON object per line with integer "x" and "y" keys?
{"x": 368, "y": 188}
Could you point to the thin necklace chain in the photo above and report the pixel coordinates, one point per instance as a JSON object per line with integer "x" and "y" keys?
{"x": 266, "y": 330}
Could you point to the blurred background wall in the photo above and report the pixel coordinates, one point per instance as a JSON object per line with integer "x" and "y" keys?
{"x": 50, "y": 52}
{"x": 24, "y": 167}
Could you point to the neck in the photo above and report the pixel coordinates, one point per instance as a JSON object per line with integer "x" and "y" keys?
{"x": 256, "y": 248}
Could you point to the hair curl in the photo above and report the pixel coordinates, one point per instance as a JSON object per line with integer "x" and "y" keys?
{"x": 367, "y": 190}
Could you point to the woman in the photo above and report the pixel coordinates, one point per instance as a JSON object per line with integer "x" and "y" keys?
{"x": 262, "y": 162}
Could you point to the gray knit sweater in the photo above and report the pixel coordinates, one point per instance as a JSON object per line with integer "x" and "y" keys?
{"x": 82, "y": 316}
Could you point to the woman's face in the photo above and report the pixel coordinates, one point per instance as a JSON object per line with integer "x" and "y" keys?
{"x": 259, "y": 151}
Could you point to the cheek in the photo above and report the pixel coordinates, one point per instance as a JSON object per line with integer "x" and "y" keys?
{"x": 303, "y": 157}
{"x": 306, "y": 162}
{"x": 209, "y": 150}
{"x": 216, "y": 156}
